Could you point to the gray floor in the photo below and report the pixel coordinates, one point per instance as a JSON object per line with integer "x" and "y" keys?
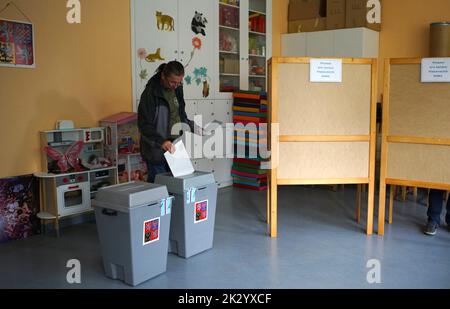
{"x": 319, "y": 246}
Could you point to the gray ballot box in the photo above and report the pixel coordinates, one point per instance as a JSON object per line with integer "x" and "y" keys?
{"x": 133, "y": 223}
{"x": 193, "y": 212}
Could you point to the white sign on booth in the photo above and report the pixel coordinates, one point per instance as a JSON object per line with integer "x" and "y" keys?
{"x": 436, "y": 70}
{"x": 326, "y": 70}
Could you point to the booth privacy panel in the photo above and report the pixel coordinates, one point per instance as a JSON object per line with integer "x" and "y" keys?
{"x": 428, "y": 163}
{"x": 312, "y": 160}
{"x": 306, "y": 108}
{"x": 415, "y": 108}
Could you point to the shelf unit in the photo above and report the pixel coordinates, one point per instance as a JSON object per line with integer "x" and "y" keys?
{"x": 253, "y": 44}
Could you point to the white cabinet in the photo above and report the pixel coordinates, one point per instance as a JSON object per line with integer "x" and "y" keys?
{"x": 205, "y": 108}
{"x": 191, "y": 108}
{"x": 320, "y": 44}
{"x": 223, "y": 111}
{"x": 362, "y": 42}
{"x": 223, "y": 44}
{"x": 342, "y": 43}
{"x": 166, "y": 30}
{"x": 205, "y": 165}
{"x": 244, "y": 43}
{"x": 293, "y": 45}
{"x": 222, "y": 171}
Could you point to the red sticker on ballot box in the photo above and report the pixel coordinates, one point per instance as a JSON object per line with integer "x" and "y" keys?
{"x": 201, "y": 211}
{"x": 151, "y": 231}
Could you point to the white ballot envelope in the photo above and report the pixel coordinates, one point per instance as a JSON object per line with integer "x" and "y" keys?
{"x": 179, "y": 162}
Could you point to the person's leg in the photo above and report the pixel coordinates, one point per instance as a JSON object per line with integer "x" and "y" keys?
{"x": 151, "y": 173}
{"x": 434, "y": 212}
{"x": 154, "y": 169}
{"x": 435, "y": 207}
{"x": 447, "y": 215}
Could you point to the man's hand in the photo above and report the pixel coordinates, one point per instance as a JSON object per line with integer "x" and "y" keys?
{"x": 168, "y": 146}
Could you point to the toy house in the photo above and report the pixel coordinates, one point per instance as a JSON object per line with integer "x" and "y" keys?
{"x": 122, "y": 146}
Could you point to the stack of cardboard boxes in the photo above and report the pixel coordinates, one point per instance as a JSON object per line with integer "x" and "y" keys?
{"x": 307, "y": 15}
{"x": 318, "y": 15}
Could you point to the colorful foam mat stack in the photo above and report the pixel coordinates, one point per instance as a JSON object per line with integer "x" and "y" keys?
{"x": 250, "y": 136}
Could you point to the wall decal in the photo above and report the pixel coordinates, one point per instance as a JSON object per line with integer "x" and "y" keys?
{"x": 164, "y": 20}
{"x": 198, "y": 23}
{"x": 67, "y": 161}
{"x": 155, "y": 56}
{"x": 197, "y": 44}
{"x": 142, "y": 54}
{"x": 205, "y": 91}
{"x": 200, "y": 77}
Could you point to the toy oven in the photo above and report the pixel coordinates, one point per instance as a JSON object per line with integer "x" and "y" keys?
{"x": 72, "y": 194}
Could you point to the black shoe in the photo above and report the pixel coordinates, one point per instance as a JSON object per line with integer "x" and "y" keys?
{"x": 430, "y": 228}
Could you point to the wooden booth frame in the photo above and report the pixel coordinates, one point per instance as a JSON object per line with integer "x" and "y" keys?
{"x": 401, "y": 140}
{"x": 277, "y": 139}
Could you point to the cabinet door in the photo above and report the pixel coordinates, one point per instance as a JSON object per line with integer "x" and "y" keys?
{"x": 222, "y": 170}
{"x": 244, "y": 44}
{"x": 205, "y": 165}
{"x": 258, "y": 44}
{"x": 293, "y": 45}
{"x": 196, "y": 21}
{"x": 228, "y": 40}
{"x": 223, "y": 111}
{"x": 206, "y": 110}
{"x": 154, "y": 39}
{"x": 320, "y": 44}
{"x": 191, "y": 109}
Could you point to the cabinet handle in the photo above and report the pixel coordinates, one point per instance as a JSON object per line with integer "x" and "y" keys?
{"x": 182, "y": 52}
{"x": 176, "y": 52}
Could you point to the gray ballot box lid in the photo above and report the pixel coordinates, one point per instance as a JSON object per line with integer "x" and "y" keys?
{"x": 131, "y": 195}
{"x": 180, "y": 184}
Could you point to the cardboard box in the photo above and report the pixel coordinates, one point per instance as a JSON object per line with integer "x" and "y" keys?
{"x": 335, "y": 14}
{"x": 307, "y": 25}
{"x": 356, "y": 15}
{"x": 306, "y": 9}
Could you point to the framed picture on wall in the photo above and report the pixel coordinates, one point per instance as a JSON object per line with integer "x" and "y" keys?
{"x": 16, "y": 44}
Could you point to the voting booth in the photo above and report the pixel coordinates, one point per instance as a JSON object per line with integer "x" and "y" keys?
{"x": 322, "y": 116}
{"x": 416, "y": 127}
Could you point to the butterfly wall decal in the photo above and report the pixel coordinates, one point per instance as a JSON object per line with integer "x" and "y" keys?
{"x": 68, "y": 159}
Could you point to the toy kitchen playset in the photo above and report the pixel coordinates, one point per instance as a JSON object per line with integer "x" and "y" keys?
{"x": 74, "y": 168}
